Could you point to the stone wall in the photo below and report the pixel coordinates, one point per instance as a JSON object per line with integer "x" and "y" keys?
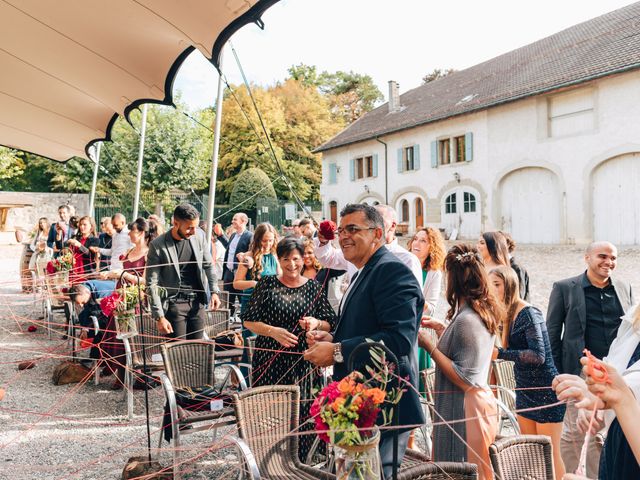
{"x": 38, "y": 205}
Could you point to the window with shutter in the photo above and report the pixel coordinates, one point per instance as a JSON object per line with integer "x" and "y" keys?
{"x": 460, "y": 149}
{"x": 468, "y": 143}
{"x": 434, "y": 154}
{"x": 333, "y": 174}
{"x": 444, "y": 151}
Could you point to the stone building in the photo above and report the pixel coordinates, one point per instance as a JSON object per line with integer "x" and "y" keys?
{"x": 542, "y": 142}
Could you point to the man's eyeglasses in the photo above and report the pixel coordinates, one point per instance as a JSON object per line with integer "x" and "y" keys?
{"x": 351, "y": 229}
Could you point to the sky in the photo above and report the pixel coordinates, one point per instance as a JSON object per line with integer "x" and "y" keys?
{"x": 399, "y": 40}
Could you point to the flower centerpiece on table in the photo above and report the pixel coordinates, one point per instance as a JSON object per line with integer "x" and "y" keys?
{"x": 346, "y": 415}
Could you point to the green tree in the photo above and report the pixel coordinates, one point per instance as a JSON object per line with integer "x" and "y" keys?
{"x": 436, "y": 74}
{"x": 307, "y": 75}
{"x": 298, "y": 118}
{"x": 250, "y": 185}
{"x": 350, "y": 94}
{"x": 11, "y": 165}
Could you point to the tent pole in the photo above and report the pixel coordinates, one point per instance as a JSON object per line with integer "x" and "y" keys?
{"x": 94, "y": 183}
{"x": 143, "y": 129}
{"x": 216, "y": 153}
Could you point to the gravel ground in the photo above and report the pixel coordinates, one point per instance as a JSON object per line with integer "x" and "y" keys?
{"x": 72, "y": 431}
{"x": 63, "y": 432}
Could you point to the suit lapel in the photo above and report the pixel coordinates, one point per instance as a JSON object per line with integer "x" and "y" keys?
{"x": 578, "y": 294}
{"x": 365, "y": 271}
{"x": 353, "y": 290}
{"x": 173, "y": 252}
{"x": 623, "y": 293}
{"x": 197, "y": 251}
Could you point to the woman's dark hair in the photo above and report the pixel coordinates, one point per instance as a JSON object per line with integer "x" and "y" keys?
{"x": 92, "y": 223}
{"x": 497, "y": 247}
{"x": 511, "y": 243}
{"x": 141, "y": 224}
{"x": 186, "y": 211}
{"x": 288, "y": 245}
{"x": 467, "y": 281}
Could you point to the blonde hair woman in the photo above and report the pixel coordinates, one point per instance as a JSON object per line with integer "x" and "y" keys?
{"x": 525, "y": 342}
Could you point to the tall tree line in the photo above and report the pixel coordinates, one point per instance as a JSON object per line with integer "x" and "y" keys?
{"x": 300, "y": 113}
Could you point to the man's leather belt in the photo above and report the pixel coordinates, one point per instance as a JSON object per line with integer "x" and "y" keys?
{"x": 185, "y": 296}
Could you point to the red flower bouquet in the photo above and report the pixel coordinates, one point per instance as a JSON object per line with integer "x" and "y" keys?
{"x": 109, "y": 304}
{"x": 328, "y": 229}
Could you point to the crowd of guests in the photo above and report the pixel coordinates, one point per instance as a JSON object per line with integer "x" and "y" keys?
{"x": 319, "y": 298}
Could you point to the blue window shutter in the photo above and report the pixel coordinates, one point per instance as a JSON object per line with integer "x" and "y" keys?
{"x": 400, "y": 162}
{"x": 352, "y": 169}
{"x": 434, "y": 154}
{"x": 416, "y": 157}
{"x": 468, "y": 146}
{"x": 333, "y": 173}
{"x": 375, "y": 164}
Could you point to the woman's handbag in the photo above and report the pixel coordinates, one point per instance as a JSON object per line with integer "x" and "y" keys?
{"x": 228, "y": 340}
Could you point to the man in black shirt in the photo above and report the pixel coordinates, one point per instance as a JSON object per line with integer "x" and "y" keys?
{"x": 584, "y": 312}
{"x": 179, "y": 261}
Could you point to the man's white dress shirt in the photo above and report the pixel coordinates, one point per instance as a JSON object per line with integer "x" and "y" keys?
{"x": 120, "y": 244}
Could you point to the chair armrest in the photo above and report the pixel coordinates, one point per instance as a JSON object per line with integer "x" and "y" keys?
{"x": 510, "y": 416}
{"x": 506, "y": 390}
{"x": 242, "y": 383}
{"x": 96, "y": 325}
{"x": 170, "y": 395}
{"x": 249, "y": 458}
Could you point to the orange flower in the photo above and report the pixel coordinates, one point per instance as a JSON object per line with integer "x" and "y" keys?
{"x": 337, "y": 403}
{"x": 376, "y": 395}
{"x": 346, "y": 386}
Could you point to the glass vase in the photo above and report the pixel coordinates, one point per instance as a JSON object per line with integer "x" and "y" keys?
{"x": 126, "y": 323}
{"x": 359, "y": 462}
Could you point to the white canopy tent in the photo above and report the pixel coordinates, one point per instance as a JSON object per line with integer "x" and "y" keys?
{"x": 70, "y": 67}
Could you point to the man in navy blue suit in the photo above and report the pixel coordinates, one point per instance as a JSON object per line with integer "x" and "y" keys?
{"x": 383, "y": 303}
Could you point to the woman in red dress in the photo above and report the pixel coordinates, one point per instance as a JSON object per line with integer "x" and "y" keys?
{"x": 133, "y": 262}
{"x": 85, "y": 260}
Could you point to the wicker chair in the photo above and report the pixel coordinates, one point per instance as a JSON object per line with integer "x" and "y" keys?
{"x": 436, "y": 470}
{"x": 266, "y": 417}
{"x": 192, "y": 364}
{"x": 506, "y": 385}
{"x": 522, "y": 457}
{"x": 54, "y": 301}
{"x": 216, "y": 322}
{"x": 152, "y": 339}
{"x": 224, "y": 299}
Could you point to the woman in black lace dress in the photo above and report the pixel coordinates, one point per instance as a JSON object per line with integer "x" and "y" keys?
{"x": 526, "y": 343}
{"x": 278, "y": 305}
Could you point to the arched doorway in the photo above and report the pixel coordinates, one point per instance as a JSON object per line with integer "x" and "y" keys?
{"x": 404, "y": 212}
{"x": 461, "y": 212}
{"x": 419, "y": 205}
{"x": 616, "y": 197}
{"x": 531, "y": 205}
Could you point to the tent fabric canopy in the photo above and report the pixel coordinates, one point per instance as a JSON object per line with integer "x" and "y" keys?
{"x": 70, "y": 67}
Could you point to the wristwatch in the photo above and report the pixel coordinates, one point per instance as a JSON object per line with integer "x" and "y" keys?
{"x": 337, "y": 353}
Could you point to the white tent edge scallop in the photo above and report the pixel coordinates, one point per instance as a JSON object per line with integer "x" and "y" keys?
{"x": 59, "y": 110}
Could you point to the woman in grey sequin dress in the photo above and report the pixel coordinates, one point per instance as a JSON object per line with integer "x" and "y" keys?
{"x": 463, "y": 360}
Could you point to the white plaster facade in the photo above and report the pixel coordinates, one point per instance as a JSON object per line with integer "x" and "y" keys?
{"x": 561, "y": 167}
